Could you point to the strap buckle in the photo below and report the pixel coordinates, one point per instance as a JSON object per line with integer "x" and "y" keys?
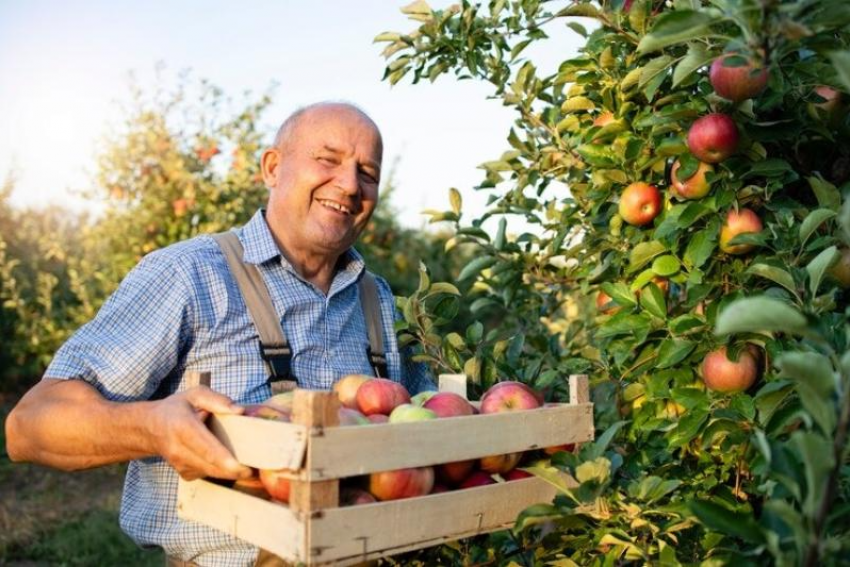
{"x": 378, "y": 362}
{"x": 278, "y": 359}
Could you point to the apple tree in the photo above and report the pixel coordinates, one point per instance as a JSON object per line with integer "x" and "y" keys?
{"x": 683, "y": 176}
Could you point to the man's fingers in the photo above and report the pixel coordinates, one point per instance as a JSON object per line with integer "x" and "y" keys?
{"x": 203, "y": 398}
{"x": 210, "y": 456}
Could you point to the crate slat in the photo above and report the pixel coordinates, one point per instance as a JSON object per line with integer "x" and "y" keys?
{"x": 261, "y": 443}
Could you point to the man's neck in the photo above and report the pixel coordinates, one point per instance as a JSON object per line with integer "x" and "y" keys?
{"x": 318, "y": 269}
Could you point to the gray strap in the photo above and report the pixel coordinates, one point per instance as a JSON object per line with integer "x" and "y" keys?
{"x": 372, "y": 313}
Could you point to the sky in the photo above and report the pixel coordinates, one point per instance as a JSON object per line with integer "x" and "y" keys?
{"x": 64, "y": 69}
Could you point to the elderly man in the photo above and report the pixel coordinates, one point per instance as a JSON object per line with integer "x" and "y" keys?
{"x": 116, "y": 391}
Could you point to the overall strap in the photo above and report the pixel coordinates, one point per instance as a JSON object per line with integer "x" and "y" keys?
{"x": 372, "y": 314}
{"x": 274, "y": 348}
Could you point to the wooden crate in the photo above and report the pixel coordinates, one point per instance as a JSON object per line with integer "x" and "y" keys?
{"x": 315, "y": 530}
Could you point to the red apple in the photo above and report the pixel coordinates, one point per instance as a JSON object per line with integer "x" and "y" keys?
{"x": 737, "y": 83}
{"x": 478, "y": 478}
{"x": 252, "y": 486}
{"x": 276, "y": 484}
{"x": 456, "y": 472}
{"x": 378, "y": 418}
{"x": 723, "y": 375}
{"x": 832, "y": 99}
{"x": 449, "y": 404}
{"x": 355, "y": 497}
{"x": 509, "y": 396}
{"x": 517, "y": 474}
{"x": 713, "y": 138}
{"x": 744, "y": 221}
{"x": 408, "y": 413}
{"x": 640, "y": 203}
{"x": 401, "y": 483}
{"x": 500, "y": 463}
{"x": 346, "y": 389}
{"x": 604, "y": 119}
{"x": 694, "y": 187}
{"x": 263, "y": 411}
{"x": 439, "y": 488}
{"x": 605, "y": 304}
{"x": 348, "y": 416}
{"x": 380, "y": 395}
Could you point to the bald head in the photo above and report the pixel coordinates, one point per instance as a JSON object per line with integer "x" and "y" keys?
{"x": 287, "y": 133}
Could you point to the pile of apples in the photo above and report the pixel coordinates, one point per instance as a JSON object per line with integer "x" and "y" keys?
{"x": 365, "y": 400}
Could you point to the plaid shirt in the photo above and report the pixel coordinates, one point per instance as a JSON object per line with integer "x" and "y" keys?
{"x": 180, "y": 310}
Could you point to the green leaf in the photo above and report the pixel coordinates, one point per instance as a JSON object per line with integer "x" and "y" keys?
{"x": 652, "y": 488}
{"x": 723, "y": 520}
{"x": 536, "y": 514}
{"x": 826, "y": 193}
{"x": 756, "y": 314}
{"x": 474, "y": 267}
{"x": 455, "y": 200}
{"x": 818, "y": 267}
{"x": 620, "y": 293}
{"x": 551, "y": 475}
{"x": 598, "y": 470}
{"x": 815, "y": 453}
{"x": 774, "y": 274}
{"x": 676, "y": 27}
{"x": 700, "y": 248}
{"x": 652, "y": 301}
{"x": 653, "y": 68}
{"x": 643, "y": 253}
{"x": 674, "y": 351}
{"x": 666, "y": 265}
{"x": 600, "y": 445}
{"x": 579, "y": 10}
{"x": 697, "y": 57}
{"x": 789, "y": 515}
{"x": 443, "y": 287}
{"x": 841, "y": 62}
{"x": 688, "y": 428}
{"x": 632, "y": 325}
{"x": 815, "y": 381}
{"x": 474, "y": 333}
{"x": 812, "y": 221}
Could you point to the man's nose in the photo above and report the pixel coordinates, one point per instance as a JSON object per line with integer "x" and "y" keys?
{"x": 347, "y": 179}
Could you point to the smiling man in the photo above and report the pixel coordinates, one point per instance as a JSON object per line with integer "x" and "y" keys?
{"x": 118, "y": 389}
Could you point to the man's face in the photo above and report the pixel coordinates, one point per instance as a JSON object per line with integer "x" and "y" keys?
{"x": 324, "y": 181}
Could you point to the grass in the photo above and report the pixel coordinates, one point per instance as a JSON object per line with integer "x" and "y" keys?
{"x": 50, "y": 517}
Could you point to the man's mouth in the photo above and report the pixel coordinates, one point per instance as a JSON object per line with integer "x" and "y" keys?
{"x": 335, "y": 206}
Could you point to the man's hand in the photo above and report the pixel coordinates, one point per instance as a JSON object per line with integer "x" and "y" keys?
{"x": 182, "y": 439}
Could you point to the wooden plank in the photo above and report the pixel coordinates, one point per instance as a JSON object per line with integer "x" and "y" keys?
{"x": 261, "y": 443}
{"x": 314, "y": 410}
{"x": 579, "y": 389}
{"x": 360, "y": 533}
{"x": 455, "y": 383}
{"x": 268, "y": 525}
{"x": 349, "y": 451}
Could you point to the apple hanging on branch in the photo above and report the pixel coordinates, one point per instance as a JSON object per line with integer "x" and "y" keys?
{"x": 737, "y": 82}
{"x": 640, "y": 203}
{"x": 742, "y": 221}
{"x": 713, "y": 138}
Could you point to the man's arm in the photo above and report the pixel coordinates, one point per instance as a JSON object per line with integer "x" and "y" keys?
{"x": 67, "y": 424}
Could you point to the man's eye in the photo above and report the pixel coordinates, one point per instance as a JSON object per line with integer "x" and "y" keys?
{"x": 329, "y": 160}
{"x": 368, "y": 176}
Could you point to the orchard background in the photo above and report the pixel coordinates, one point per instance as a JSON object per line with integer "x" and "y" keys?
{"x": 680, "y": 473}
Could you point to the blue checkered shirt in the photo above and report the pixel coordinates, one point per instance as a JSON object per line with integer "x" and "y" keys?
{"x": 180, "y": 310}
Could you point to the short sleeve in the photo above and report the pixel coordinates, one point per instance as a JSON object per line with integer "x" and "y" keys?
{"x": 137, "y": 337}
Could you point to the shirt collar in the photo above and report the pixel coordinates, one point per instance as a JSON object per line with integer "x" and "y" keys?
{"x": 260, "y": 247}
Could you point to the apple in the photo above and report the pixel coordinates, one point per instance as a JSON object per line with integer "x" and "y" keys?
{"x": 252, "y": 486}
{"x": 723, "y": 375}
{"x": 713, "y": 138}
{"x": 640, "y": 203}
{"x": 346, "y": 389}
{"x": 604, "y": 119}
{"x": 348, "y": 416}
{"x": 832, "y": 99}
{"x": 456, "y": 472}
{"x": 439, "y": 488}
{"x": 378, "y": 418}
{"x": 380, "y": 395}
{"x": 737, "y": 83}
{"x": 401, "y": 483}
{"x": 449, "y": 404}
{"x": 500, "y": 463}
{"x": 263, "y": 411}
{"x": 276, "y": 484}
{"x": 517, "y": 474}
{"x": 605, "y": 304}
{"x": 422, "y": 397}
{"x": 694, "y": 187}
{"x": 478, "y": 478}
{"x": 509, "y": 396}
{"x": 840, "y": 271}
{"x": 355, "y": 497}
{"x": 743, "y": 221}
{"x": 408, "y": 413}
{"x": 569, "y": 448}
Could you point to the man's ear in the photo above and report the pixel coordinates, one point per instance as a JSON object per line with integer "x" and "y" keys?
{"x": 269, "y": 164}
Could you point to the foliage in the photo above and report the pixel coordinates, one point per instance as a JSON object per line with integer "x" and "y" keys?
{"x": 734, "y": 477}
